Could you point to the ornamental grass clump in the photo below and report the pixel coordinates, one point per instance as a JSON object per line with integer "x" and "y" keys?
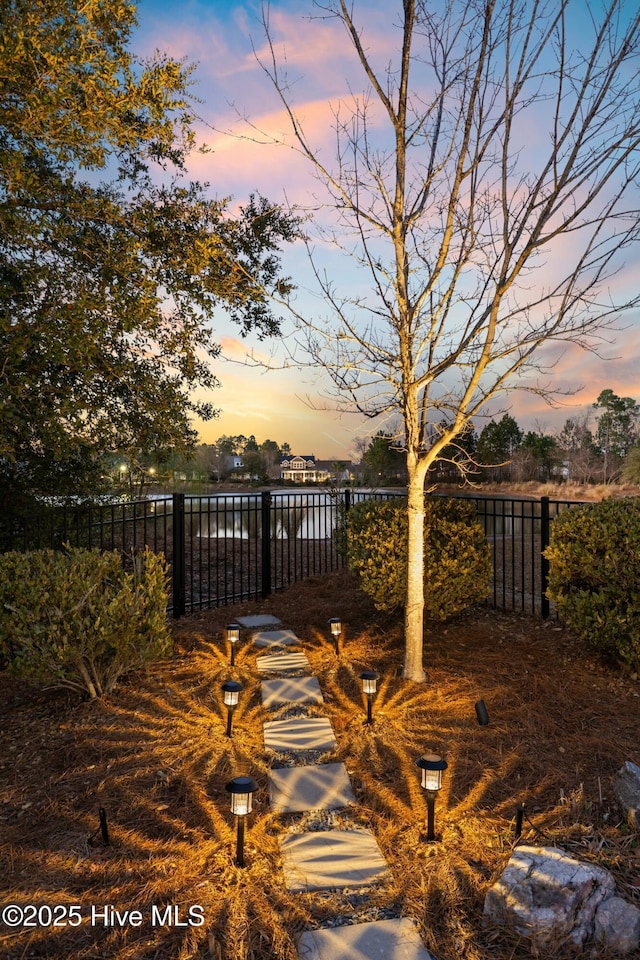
{"x": 594, "y": 575}
{"x": 77, "y": 619}
{"x": 456, "y": 554}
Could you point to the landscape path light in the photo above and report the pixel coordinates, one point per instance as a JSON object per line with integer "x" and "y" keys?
{"x": 233, "y": 635}
{"x": 369, "y": 682}
{"x": 335, "y": 625}
{"x": 482, "y": 714}
{"x": 242, "y": 790}
{"x": 431, "y": 767}
{"x": 231, "y": 694}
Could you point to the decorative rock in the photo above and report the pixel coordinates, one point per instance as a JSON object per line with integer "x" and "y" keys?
{"x": 544, "y": 894}
{"x": 617, "y": 925}
{"x": 627, "y": 790}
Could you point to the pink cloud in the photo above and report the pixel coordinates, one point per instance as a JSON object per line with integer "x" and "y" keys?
{"x": 583, "y": 372}
{"x": 266, "y": 157}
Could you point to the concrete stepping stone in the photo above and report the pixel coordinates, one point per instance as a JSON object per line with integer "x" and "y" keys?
{"x": 290, "y": 690}
{"x": 259, "y": 620}
{"x": 299, "y": 733}
{"x": 325, "y": 786}
{"x": 379, "y": 940}
{"x": 275, "y": 638}
{"x": 283, "y": 662}
{"x": 331, "y": 860}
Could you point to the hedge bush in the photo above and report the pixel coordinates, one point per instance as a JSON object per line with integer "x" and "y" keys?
{"x": 457, "y": 558}
{"x": 76, "y": 619}
{"x": 594, "y": 575}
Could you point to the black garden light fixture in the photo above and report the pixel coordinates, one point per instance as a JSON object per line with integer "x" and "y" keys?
{"x": 242, "y": 790}
{"x": 233, "y": 635}
{"x": 335, "y": 625}
{"x": 369, "y": 682}
{"x": 482, "y": 714}
{"x": 431, "y": 767}
{"x": 231, "y": 694}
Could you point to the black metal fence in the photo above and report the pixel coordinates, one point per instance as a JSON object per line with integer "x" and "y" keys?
{"x": 518, "y": 533}
{"x": 227, "y": 548}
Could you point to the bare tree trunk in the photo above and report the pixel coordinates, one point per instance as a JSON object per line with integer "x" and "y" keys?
{"x": 414, "y": 609}
{"x": 481, "y": 252}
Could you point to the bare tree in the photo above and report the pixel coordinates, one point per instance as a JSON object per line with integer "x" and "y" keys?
{"x": 487, "y": 180}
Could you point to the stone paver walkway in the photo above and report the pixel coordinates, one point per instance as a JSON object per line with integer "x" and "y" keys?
{"x": 290, "y": 690}
{"x": 299, "y": 734}
{"x": 283, "y": 662}
{"x": 325, "y": 786}
{"x": 275, "y": 638}
{"x": 378, "y": 940}
{"x": 331, "y": 859}
{"x": 259, "y": 620}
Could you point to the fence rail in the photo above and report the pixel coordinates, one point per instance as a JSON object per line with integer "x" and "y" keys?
{"x": 226, "y": 548}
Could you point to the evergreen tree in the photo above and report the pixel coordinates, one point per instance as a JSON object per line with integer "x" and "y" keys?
{"x": 383, "y": 462}
{"x": 616, "y": 432}
{"x": 497, "y": 443}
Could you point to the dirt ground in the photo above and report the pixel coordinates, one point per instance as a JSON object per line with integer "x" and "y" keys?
{"x": 154, "y": 756}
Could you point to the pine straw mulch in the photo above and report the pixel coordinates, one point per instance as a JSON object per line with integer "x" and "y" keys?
{"x": 154, "y": 755}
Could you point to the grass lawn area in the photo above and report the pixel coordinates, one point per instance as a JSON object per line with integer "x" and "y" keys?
{"x": 155, "y": 756}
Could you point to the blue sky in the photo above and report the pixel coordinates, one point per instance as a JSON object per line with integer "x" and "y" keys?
{"x": 279, "y": 404}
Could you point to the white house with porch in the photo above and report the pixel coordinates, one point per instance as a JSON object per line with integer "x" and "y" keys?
{"x": 306, "y": 469}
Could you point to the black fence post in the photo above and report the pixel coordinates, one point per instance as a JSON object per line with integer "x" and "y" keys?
{"x": 178, "y": 562}
{"x": 266, "y": 543}
{"x": 544, "y": 563}
{"x": 347, "y": 500}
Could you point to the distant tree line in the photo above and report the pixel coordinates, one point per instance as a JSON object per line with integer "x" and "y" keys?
{"x": 599, "y": 446}
{"x": 227, "y": 458}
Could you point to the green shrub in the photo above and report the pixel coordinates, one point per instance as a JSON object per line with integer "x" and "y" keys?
{"x": 594, "y": 575}
{"x": 76, "y": 619}
{"x": 456, "y": 553}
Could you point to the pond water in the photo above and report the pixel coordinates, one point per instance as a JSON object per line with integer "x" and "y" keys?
{"x": 301, "y": 514}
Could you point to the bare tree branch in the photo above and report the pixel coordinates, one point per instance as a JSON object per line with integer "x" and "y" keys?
{"x": 493, "y": 216}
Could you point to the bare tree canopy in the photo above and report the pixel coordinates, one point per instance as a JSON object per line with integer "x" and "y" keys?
{"x": 486, "y": 178}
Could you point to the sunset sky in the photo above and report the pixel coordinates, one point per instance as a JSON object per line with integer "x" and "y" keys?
{"x": 220, "y": 37}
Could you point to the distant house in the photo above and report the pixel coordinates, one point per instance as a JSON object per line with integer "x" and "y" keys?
{"x": 306, "y": 469}
{"x": 235, "y": 468}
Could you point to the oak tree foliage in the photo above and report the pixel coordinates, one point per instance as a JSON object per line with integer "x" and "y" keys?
{"x": 111, "y": 261}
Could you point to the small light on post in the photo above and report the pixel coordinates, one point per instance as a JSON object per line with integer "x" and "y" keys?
{"x": 231, "y": 694}
{"x": 335, "y": 625}
{"x": 369, "y": 682}
{"x": 241, "y": 790}
{"x": 432, "y": 767}
{"x": 233, "y": 635}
